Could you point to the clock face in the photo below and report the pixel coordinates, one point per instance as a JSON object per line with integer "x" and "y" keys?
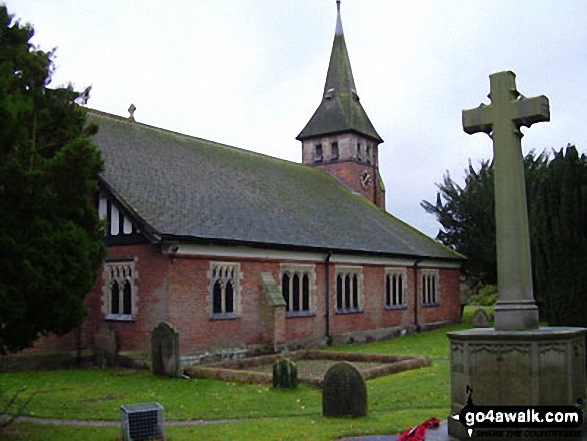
{"x": 365, "y": 179}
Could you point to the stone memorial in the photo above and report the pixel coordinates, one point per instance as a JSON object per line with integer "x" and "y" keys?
{"x": 480, "y": 318}
{"x": 285, "y": 374}
{"x": 527, "y": 360}
{"x": 344, "y": 392}
{"x": 105, "y": 346}
{"x": 165, "y": 350}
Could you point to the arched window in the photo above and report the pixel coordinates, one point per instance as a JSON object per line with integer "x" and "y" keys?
{"x": 334, "y": 150}
{"x": 305, "y": 293}
{"x": 217, "y": 298}
{"x": 348, "y": 289}
{"x": 394, "y": 288}
{"x": 224, "y": 289}
{"x": 339, "y": 293}
{"x": 229, "y": 298}
{"x": 285, "y": 289}
{"x": 115, "y": 298}
{"x": 355, "y": 302}
{"x": 296, "y": 288}
{"x": 319, "y": 155}
{"x": 127, "y": 298}
{"x": 119, "y": 290}
{"x": 430, "y": 296}
{"x": 296, "y": 292}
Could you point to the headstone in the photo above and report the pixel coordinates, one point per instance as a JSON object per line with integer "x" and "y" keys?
{"x": 480, "y": 318}
{"x": 344, "y": 392}
{"x": 285, "y": 374}
{"x": 105, "y": 346}
{"x": 165, "y": 350}
{"x": 515, "y": 309}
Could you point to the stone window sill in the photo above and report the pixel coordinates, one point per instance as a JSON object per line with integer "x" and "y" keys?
{"x": 224, "y": 316}
{"x": 349, "y": 311}
{"x": 291, "y": 314}
{"x": 430, "y": 305}
{"x": 121, "y": 317}
{"x": 395, "y": 307}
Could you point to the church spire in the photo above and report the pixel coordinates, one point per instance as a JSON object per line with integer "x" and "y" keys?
{"x": 340, "y": 109}
{"x": 339, "y": 137}
{"x": 338, "y": 30}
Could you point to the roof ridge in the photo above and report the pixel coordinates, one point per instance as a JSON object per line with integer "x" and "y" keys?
{"x": 189, "y": 137}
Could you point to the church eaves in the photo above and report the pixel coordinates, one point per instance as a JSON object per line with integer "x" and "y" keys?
{"x": 340, "y": 109}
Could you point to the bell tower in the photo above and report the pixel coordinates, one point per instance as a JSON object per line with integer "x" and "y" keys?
{"x": 340, "y": 137}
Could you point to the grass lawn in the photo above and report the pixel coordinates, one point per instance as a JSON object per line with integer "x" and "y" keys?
{"x": 395, "y": 402}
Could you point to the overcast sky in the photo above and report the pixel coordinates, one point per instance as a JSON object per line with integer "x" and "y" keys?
{"x": 251, "y": 73}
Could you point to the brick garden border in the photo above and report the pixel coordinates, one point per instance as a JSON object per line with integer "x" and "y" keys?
{"x": 237, "y": 370}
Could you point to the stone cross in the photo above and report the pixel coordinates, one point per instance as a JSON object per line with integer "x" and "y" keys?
{"x": 501, "y": 120}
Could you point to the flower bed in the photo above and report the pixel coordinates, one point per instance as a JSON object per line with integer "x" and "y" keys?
{"x": 312, "y": 366}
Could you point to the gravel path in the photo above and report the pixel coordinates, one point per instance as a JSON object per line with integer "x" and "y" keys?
{"x": 90, "y": 423}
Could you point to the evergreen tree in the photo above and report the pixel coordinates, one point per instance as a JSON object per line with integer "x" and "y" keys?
{"x": 468, "y": 221}
{"x": 50, "y": 236}
{"x": 559, "y": 238}
{"x": 557, "y": 207}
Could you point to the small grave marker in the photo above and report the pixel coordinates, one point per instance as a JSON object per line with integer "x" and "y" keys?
{"x": 344, "y": 392}
{"x": 165, "y": 350}
{"x": 480, "y": 318}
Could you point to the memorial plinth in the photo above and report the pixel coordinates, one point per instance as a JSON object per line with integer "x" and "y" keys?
{"x": 539, "y": 367}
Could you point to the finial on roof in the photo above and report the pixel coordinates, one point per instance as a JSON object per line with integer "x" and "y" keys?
{"x": 131, "y": 110}
{"x": 338, "y": 30}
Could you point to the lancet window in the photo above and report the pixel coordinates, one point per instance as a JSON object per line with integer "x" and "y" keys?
{"x": 395, "y": 288}
{"x": 349, "y": 289}
{"x": 298, "y": 288}
{"x": 120, "y": 292}
{"x": 224, "y": 289}
{"x": 430, "y": 288}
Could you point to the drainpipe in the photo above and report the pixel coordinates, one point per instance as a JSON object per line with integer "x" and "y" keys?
{"x": 327, "y": 298}
{"x": 416, "y": 322}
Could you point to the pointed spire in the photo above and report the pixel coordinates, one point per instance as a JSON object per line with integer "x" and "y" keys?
{"x": 340, "y": 75}
{"x": 338, "y": 30}
{"x": 340, "y": 110}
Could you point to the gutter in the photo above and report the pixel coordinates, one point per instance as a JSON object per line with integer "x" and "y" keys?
{"x": 415, "y": 266}
{"x": 327, "y": 298}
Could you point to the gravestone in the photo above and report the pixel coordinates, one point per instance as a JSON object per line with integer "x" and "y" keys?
{"x": 480, "y": 318}
{"x": 165, "y": 350}
{"x": 344, "y": 392}
{"x": 105, "y": 346}
{"x": 285, "y": 374}
{"x": 525, "y": 359}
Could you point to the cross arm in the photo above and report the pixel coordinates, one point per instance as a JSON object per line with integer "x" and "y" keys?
{"x": 478, "y": 119}
{"x": 532, "y": 110}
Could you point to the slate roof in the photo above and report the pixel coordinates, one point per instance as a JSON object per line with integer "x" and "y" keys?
{"x": 190, "y": 189}
{"x": 340, "y": 109}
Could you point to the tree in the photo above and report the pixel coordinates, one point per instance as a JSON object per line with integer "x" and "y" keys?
{"x": 559, "y": 238}
{"x": 557, "y": 208}
{"x": 50, "y": 236}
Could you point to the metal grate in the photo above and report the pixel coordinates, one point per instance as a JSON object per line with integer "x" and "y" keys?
{"x": 141, "y": 422}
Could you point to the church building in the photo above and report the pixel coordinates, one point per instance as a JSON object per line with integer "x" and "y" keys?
{"x": 245, "y": 253}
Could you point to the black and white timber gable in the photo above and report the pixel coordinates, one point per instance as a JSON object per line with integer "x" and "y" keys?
{"x": 120, "y": 227}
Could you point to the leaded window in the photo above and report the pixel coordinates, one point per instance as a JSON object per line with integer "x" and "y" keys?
{"x": 225, "y": 282}
{"x": 297, "y": 288}
{"x": 349, "y": 289}
{"x": 395, "y": 288}
{"x": 430, "y": 288}
{"x": 119, "y": 300}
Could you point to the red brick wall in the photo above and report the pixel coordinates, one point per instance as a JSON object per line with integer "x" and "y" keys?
{"x": 152, "y": 269}
{"x": 176, "y": 290}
